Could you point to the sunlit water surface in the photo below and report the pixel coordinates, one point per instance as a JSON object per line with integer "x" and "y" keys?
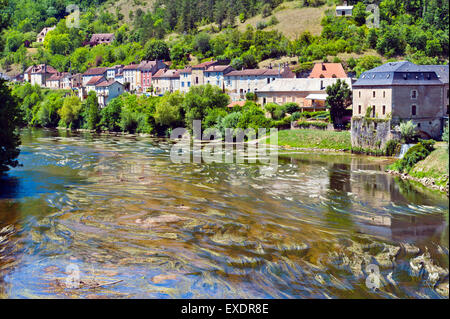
{"x": 141, "y": 226}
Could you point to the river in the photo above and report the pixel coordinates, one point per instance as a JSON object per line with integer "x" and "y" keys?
{"x": 136, "y": 225}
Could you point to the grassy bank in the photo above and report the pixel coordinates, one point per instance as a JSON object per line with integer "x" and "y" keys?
{"x": 434, "y": 166}
{"x": 314, "y": 139}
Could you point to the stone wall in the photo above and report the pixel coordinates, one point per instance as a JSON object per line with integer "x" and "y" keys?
{"x": 371, "y": 134}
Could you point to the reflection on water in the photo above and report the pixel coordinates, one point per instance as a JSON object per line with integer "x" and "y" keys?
{"x": 124, "y": 214}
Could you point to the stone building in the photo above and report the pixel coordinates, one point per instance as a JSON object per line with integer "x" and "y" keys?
{"x": 403, "y": 91}
{"x": 309, "y": 94}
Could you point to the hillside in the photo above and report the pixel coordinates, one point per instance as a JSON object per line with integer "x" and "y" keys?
{"x": 434, "y": 166}
{"x": 293, "y": 20}
{"x": 188, "y": 31}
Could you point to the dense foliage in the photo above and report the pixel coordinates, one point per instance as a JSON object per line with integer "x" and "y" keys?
{"x": 9, "y": 121}
{"x": 146, "y": 114}
{"x": 412, "y": 29}
{"x": 414, "y": 155}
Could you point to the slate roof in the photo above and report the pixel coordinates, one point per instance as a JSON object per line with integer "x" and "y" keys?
{"x": 403, "y": 73}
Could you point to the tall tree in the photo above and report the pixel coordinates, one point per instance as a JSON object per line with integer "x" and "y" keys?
{"x": 10, "y": 120}
{"x": 339, "y": 98}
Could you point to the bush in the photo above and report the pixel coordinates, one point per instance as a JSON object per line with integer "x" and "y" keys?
{"x": 291, "y": 107}
{"x": 408, "y": 131}
{"x": 250, "y": 96}
{"x": 414, "y": 155}
{"x": 391, "y": 147}
{"x": 296, "y": 116}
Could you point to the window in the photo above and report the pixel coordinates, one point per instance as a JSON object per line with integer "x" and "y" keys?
{"x": 384, "y": 94}
{"x": 359, "y": 109}
{"x": 189, "y": 84}
{"x": 373, "y": 93}
{"x": 182, "y": 84}
{"x": 373, "y": 110}
{"x": 414, "y": 94}
{"x": 268, "y": 80}
{"x": 384, "y": 109}
{"x": 359, "y": 93}
{"x": 414, "y": 110}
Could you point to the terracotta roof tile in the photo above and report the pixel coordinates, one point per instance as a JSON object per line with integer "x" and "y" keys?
{"x": 328, "y": 70}
{"x": 95, "y": 71}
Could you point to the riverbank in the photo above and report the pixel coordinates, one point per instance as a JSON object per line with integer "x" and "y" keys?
{"x": 320, "y": 140}
{"x": 432, "y": 172}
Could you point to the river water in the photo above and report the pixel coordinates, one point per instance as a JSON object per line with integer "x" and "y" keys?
{"x": 136, "y": 225}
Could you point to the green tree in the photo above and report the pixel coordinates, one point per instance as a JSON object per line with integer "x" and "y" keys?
{"x": 110, "y": 115}
{"x": 70, "y": 112}
{"x": 168, "y": 111}
{"x": 408, "y": 131}
{"x": 10, "y": 119}
{"x": 199, "y": 101}
{"x": 338, "y": 99}
{"x": 92, "y": 112}
{"x": 156, "y": 50}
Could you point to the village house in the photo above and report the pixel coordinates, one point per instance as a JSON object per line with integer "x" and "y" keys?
{"x": 27, "y": 74}
{"x": 239, "y": 83}
{"x": 73, "y": 81}
{"x": 309, "y": 94}
{"x": 215, "y": 75}
{"x": 41, "y": 36}
{"x": 101, "y": 38}
{"x": 112, "y": 72}
{"x": 90, "y": 85}
{"x": 55, "y": 81}
{"x": 328, "y": 70}
{"x": 132, "y": 77}
{"x": 404, "y": 91}
{"x": 148, "y": 69}
{"x": 93, "y": 72}
{"x": 108, "y": 90}
{"x": 40, "y": 73}
{"x": 198, "y": 72}
{"x": 185, "y": 79}
{"x": 166, "y": 81}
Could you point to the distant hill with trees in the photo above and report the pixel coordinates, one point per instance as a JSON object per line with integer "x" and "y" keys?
{"x": 188, "y": 31}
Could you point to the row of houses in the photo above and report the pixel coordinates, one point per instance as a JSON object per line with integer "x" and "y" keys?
{"x": 272, "y": 84}
{"x": 397, "y": 90}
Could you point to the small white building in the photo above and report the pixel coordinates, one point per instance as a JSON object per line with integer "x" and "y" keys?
{"x": 215, "y": 74}
{"x": 344, "y": 11}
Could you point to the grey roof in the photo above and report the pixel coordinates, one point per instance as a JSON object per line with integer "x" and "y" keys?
{"x": 301, "y": 85}
{"x": 404, "y": 73}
